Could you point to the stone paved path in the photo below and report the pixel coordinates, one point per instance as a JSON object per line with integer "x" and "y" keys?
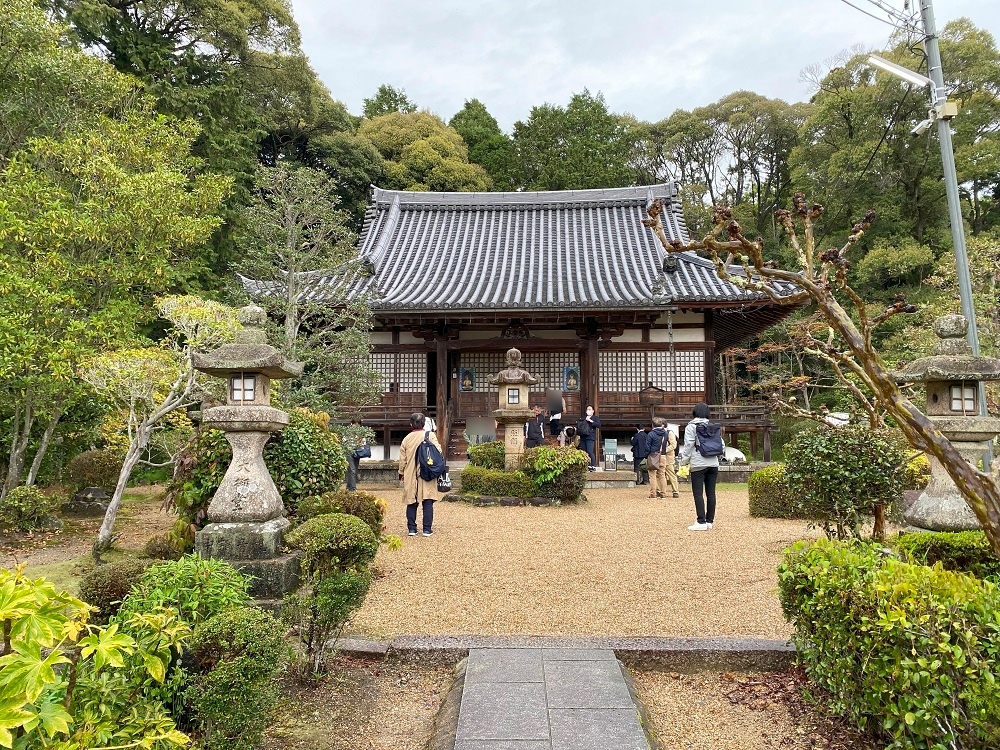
{"x": 547, "y": 699}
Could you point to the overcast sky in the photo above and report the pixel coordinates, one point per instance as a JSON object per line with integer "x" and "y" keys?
{"x": 648, "y": 58}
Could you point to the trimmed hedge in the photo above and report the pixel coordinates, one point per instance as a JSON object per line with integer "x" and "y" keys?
{"x": 95, "y": 469}
{"x": 770, "y": 496}
{"x": 335, "y": 541}
{"x": 962, "y": 551}
{"x": 909, "y": 653}
{"x": 26, "y": 508}
{"x": 481, "y": 481}
{"x": 916, "y": 473}
{"x": 364, "y": 505}
{"x": 488, "y": 455}
{"x": 559, "y": 473}
{"x": 107, "y": 585}
{"x": 237, "y": 656}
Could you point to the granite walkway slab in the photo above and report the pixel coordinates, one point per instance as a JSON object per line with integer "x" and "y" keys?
{"x": 547, "y": 699}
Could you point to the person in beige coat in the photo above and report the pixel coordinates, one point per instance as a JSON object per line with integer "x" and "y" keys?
{"x": 415, "y": 489}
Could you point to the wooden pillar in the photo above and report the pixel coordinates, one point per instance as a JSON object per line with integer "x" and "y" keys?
{"x": 767, "y": 445}
{"x": 442, "y": 394}
{"x": 592, "y": 397}
{"x": 710, "y": 388}
{"x": 753, "y": 445}
{"x": 386, "y": 438}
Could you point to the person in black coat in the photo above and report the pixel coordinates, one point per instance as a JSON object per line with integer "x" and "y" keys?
{"x": 639, "y": 452}
{"x": 587, "y": 429}
{"x": 535, "y": 432}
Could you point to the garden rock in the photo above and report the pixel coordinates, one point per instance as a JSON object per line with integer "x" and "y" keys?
{"x": 90, "y": 501}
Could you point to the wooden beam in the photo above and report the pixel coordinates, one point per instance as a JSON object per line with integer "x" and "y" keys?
{"x": 442, "y": 392}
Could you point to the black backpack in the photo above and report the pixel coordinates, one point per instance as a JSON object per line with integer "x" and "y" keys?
{"x": 708, "y": 439}
{"x": 583, "y": 428}
{"x": 430, "y": 460}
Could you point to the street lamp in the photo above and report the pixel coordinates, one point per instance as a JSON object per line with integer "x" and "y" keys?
{"x": 942, "y": 111}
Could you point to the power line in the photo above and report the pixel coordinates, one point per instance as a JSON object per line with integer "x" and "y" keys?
{"x": 870, "y": 15}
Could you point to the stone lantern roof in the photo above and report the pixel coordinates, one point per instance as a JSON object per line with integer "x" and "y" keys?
{"x": 250, "y": 353}
{"x": 951, "y": 358}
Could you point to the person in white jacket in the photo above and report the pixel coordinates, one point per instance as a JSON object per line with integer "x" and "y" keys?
{"x": 704, "y": 470}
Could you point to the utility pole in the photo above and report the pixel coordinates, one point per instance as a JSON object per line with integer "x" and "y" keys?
{"x": 939, "y": 100}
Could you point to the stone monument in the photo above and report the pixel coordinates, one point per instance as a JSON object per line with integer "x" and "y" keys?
{"x": 246, "y": 525}
{"x": 951, "y": 376}
{"x": 514, "y": 410}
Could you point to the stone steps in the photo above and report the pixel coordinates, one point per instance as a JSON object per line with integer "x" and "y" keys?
{"x": 547, "y": 699}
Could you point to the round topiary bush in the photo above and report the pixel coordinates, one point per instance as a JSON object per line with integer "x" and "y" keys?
{"x": 839, "y": 475}
{"x": 95, "y": 469}
{"x": 27, "y": 508}
{"x": 963, "y": 551}
{"x": 916, "y": 473}
{"x": 305, "y": 460}
{"x": 335, "y": 541}
{"x": 559, "y": 473}
{"x": 237, "y": 656}
{"x": 770, "y": 496}
{"x": 364, "y": 505}
{"x": 107, "y": 585}
{"x": 488, "y": 455}
{"x": 477, "y": 480}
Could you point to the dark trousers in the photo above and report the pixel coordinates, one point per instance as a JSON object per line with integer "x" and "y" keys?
{"x": 352, "y": 473}
{"x": 555, "y": 427}
{"x": 641, "y": 477}
{"x": 534, "y": 442}
{"x": 587, "y": 446}
{"x": 411, "y": 516}
{"x": 703, "y": 482}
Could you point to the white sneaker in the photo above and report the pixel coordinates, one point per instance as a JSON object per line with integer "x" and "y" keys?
{"x": 709, "y": 525}
{"x": 411, "y": 533}
{"x": 699, "y": 527}
{"x": 428, "y": 533}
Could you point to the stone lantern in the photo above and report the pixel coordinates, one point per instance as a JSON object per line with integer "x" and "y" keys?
{"x": 513, "y": 411}
{"x": 951, "y": 377}
{"x": 246, "y": 523}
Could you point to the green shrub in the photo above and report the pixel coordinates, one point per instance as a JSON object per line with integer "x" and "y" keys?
{"x": 364, "y": 505}
{"x": 198, "y": 589}
{"x": 335, "y": 541}
{"x": 109, "y": 698}
{"x": 559, "y": 473}
{"x": 839, "y": 475}
{"x": 480, "y": 481}
{"x": 95, "y": 469}
{"x": 909, "y": 653}
{"x": 322, "y": 608}
{"x": 162, "y": 547}
{"x": 900, "y": 261}
{"x": 963, "y": 551}
{"x": 236, "y": 656}
{"x": 26, "y": 508}
{"x": 488, "y": 455}
{"x": 770, "y": 496}
{"x": 916, "y": 473}
{"x": 305, "y": 460}
{"x": 107, "y": 585}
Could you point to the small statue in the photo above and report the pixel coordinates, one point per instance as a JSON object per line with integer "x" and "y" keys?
{"x": 513, "y": 373}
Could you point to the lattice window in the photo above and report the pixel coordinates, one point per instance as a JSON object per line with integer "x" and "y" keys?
{"x": 546, "y": 366}
{"x": 404, "y": 372}
{"x": 625, "y": 372}
{"x": 385, "y": 366}
{"x": 622, "y": 371}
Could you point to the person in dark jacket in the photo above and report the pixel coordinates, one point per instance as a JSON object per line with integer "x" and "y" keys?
{"x": 587, "y": 429}
{"x": 535, "y": 432}
{"x": 662, "y": 441}
{"x": 639, "y": 452}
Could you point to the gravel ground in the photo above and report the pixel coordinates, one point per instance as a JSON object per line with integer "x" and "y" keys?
{"x": 618, "y": 564}
{"x": 360, "y": 706}
{"x": 738, "y": 711}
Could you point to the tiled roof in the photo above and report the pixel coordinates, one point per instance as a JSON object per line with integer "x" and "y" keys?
{"x": 563, "y": 250}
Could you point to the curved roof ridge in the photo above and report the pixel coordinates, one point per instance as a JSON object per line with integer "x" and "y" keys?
{"x": 382, "y": 196}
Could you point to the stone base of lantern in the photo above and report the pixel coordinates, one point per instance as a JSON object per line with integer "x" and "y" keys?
{"x": 255, "y": 550}
{"x": 511, "y": 422}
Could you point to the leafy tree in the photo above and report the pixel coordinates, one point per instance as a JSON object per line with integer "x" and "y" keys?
{"x": 100, "y": 197}
{"x": 151, "y": 383}
{"x": 489, "y": 147}
{"x": 582, "y": 145}
{"x": 295, "y": 233}
{"x": 386, "y": 101}
{"x": 422, "y": 153}
{"x": 821, "y": 278}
